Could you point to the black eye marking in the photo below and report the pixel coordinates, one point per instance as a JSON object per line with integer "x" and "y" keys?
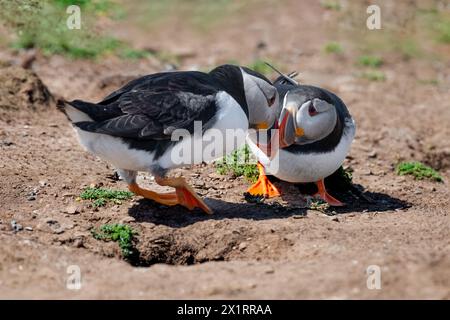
{"x": 271, "y": 101}
{"x": 312, "y": 110}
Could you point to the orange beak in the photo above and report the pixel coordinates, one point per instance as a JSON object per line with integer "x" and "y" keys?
{"x": 288, "y": 128}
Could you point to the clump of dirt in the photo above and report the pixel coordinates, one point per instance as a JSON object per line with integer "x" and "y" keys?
{"x": 22, "y": 90}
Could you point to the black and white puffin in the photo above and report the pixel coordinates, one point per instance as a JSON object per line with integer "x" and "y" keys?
{"x": 316, "y": 131}
{"x": 133, "y": 127}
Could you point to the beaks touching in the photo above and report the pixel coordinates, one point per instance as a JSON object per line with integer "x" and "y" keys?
{"x": 272, "y": 142}
{"x": 288, "y": 130}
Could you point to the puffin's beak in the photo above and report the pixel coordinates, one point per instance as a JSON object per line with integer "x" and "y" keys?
{"x": 288, "y": 130}
{"x": 262, "y": 126}
{"x": 273, "y": 136}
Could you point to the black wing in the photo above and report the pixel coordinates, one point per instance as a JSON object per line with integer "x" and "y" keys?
{"x": 152, "y": 107}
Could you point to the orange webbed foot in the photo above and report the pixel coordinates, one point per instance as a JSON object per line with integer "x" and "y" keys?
{"x": 185, "y": 195}
{"x": 189, "y": 199}
{"x": 263, "y": 187}
{"x": 325, "y": 196}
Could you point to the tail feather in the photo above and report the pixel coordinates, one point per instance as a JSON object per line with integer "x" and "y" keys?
{"x": 80, "y": 111}
{"x": 85, "y": 107}
{"x": 75, "y": 114}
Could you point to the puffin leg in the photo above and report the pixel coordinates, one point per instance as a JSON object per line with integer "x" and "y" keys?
{"x": 167, "y": 199}
{"x": 185, "y": 195}
{"x": 263, "y": 186}
{"x": 324, "y": 195}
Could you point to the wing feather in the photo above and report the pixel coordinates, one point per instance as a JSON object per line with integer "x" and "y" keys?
{"x": 153, "y": 110}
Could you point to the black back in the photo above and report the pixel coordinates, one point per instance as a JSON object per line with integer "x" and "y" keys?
{"x": 229, "y": 78}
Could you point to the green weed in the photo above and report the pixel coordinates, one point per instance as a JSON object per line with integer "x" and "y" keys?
{"x": 374, "y": 75}
{"x": 101, "y": 196}
{"x": 443, "y": 30}
{"x": 333, "y": 47}
{"x": 130, "y": 53}
{"x": 121, "y": 233}
{"x": 330, "y": 5}
{"x": 51, "y": 34}
{"x": 370, "y": 61}
{"x": 260, "y": 66}
{"x": 418, "y": 170}
{"x": 239, "y": 163}
{"x": 318, "y": 205}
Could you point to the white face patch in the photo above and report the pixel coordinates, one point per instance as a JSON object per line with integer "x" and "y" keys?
{"x": 319, "y": 125}
{"x": 258, "y": 93}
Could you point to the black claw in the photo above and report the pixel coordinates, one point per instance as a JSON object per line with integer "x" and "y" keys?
{"x": 254, "y": 198}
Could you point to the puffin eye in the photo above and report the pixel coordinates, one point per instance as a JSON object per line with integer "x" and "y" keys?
{"x": 312, "y": 110}
{"x": 271, "y": 101}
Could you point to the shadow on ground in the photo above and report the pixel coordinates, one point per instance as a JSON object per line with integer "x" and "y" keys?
{"x": 177, "y": 217}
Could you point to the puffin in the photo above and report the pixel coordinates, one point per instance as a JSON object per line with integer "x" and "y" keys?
{"x": 315, "y": 132}
{"x": 167, "y": 120}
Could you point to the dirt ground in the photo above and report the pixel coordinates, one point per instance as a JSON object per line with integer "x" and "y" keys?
{"x": 278, "y": 249}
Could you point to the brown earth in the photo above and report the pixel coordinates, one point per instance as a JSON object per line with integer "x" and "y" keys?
{"x": 277, "y": 249}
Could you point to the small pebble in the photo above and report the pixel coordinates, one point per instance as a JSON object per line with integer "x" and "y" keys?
{"x": 127, "y": 219}
{"x": 199, "y": 184}
{"x": 242, "y": 246}
{"x": 55, "y": 226}
{"x": 16, "y": 226}
{"x": 29, "y": 228}
{"x": 58, "y": 231}
{"x": 373, "y": 154}
{"x": 72, "y": 210}
{"x": 78, "y": 242}
{"x": 269, "y": 270}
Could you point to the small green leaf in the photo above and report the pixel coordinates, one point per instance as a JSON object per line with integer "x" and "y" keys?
{"x": 370, "y": 61}
{"x": 101, "y": 196}
{"x": 121, "y": 233}
{"x": 418, "y": 170}
{"x": 333, "y": 47}
{"x": 239, "y": 163}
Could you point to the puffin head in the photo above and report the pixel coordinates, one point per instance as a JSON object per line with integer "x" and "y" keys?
{"x": 262, "y": 100}
{"x": 254, "y": 93}
{"x": 308, "y": 115}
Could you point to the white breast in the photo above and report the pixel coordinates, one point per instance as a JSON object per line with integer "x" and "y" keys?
{"x": 305, "y": 167}
{"x": 115, "y": 151}
{"x": 227, "y": 133}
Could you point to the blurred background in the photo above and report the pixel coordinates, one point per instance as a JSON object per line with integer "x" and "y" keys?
{"x": 395, "y": 73}
{"x": 316, "y": 38}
